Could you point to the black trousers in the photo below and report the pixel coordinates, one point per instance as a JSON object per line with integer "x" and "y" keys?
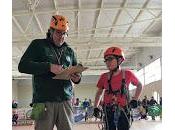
{"x": 123, "y": 121}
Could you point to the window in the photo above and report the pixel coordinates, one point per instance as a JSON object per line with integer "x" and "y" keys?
{"x": 156, "y": 96}
{"x": 150, "y": 73}
{"x": 140, "y": 75}
{"x": 153, "y": 72}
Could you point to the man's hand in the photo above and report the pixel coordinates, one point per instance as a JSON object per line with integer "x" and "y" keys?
{"x": 56, "y": 69}
{"x": 97, "y": 112}
{"x": 75, "y": 77}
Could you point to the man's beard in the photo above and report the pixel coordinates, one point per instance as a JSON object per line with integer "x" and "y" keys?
{"x": 58, "y": 43}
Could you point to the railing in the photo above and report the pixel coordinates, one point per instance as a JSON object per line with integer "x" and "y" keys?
{"x": 79, "y": 114}
{"x": 23, "y": 118}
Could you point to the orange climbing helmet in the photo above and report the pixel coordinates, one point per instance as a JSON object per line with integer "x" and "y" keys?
{"x": 59, "y": 22}
{"x": 116, "y": 51}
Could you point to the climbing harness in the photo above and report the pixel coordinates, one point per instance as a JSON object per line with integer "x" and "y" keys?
{"x": 115, "y": 108}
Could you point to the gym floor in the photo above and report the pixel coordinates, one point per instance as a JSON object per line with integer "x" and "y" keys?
{"x": 91, "y": 125}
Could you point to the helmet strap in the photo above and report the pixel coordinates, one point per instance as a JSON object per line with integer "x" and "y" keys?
{"x": 119, "y": 60}
{"x": 49, "y": 34}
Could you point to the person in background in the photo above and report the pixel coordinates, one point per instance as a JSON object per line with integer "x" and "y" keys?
{"x": 77, "y": 102}
{"x": 160, "y": 101}
{"x": 145, "y": 104}
{"x": 90, "y": 102}
{"x": 114, "y": 84}
{"x": 142, "y": 112}
{"x": 139, "y": 102}
{"x": 44, "y": 59}
{"x": 14, "y": 104}
{"x": 14, "y": 118}
{"x": 85, "y": 103}
{"x": 85, "y": 107}
{"x": 152, "y": 102}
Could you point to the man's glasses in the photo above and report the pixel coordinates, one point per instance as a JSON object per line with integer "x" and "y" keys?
{"x": 61, "y": 33}
{"x": 109, "y": 59}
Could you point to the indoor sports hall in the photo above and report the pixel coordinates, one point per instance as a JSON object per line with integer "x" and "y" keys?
{"x": 94, "y": 25}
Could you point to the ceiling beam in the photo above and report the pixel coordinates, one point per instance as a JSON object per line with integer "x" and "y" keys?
{"x": 32, "y": 7}
{"x": 29, "y": 22}
{"x": 150, "y": 12}
{"x": 101, "y": 53}
{"x": 148, "y": 27}
{"x": 55, "y": 6}
{"x": 32, "y": 4}
{"x": 18, "y": 25}
{"x": 100, "y": 39}
{"x": 48, "y": 11}
{"x": 104, "y": 41}
{"x": 117, "y": 17}
{"x": 107, "y": 44}
{"x": 120, "y": 44}
{"x": 140, "y": 12}
{"x": 78, "y": 18}
{"x": 88, "y": 54}
{"x": 109, "y": 27}
{"x": 39, "y": 24}
{"x": 90, "y": 29}
{"x": 97, "y": 19}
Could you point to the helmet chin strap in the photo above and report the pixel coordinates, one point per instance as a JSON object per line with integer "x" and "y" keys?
{"x": 50, "y": 34}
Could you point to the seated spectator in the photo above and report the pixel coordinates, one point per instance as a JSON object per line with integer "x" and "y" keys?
{"x": 14, "y": 118}
{"x": 142, "y": 112}
{"x": 14, "y": 104}
{"x": 77, "y": 102}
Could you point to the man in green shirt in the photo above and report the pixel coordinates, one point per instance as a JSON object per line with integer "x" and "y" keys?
{"x": 45, "y": 58}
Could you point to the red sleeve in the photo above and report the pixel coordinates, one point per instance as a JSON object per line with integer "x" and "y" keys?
{"x": 133, "y": 79}
{"x": 101, "y": 81}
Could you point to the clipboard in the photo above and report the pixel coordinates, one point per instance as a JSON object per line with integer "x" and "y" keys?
{"x": 65, "y": 74}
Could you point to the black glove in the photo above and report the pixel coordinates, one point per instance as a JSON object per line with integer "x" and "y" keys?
{"x": 96, "y": 112}
{"x": 134, "y": 103}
